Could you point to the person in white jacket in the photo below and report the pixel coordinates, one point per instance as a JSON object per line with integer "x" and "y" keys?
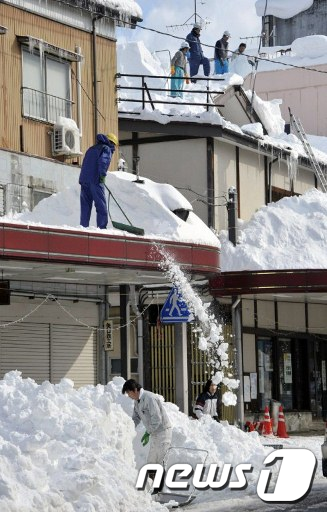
{"x": 149, "y": 409}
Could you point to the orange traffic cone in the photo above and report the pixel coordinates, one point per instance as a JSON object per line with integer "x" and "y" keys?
{"x": 281, "y": 428}
{"x": 267, "y": 430}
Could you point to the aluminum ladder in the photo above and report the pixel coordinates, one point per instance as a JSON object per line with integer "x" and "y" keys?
{"x": 320, "y": 174}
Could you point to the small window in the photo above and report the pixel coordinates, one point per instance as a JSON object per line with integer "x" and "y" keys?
{"x": 46, "y": 92}
{"x": 38, "y": 195}
{"x": 134, "y": 365}
{"x": 115, "y": 366}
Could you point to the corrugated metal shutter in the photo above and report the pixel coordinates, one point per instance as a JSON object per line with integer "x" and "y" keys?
{"x": 25, "y": 347}
{"x": 74, "y": 354}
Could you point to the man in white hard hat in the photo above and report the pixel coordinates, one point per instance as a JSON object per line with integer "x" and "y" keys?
{"x": 197, "y": 58}
{"x": 221, "y": 54}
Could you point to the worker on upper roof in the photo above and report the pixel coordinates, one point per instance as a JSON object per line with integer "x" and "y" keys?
{"x": 196, "y": 57}
{"x": 178, "y": 70}
{"x": 221, "y": 54}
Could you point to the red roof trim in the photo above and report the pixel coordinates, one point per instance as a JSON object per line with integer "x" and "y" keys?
{"x": 60, "y": 245}
{"x": 269, "y": 281}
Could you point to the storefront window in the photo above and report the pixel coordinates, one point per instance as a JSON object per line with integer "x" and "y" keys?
{"x": 265, "y": 369}
{"x": 285, "y": 374}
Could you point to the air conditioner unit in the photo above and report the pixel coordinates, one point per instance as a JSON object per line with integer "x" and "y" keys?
{"x": 65, "y": 138}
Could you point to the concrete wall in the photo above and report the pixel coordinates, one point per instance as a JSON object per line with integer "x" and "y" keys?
{"x": 22, "y": 175}
{"x": 303, "y": 91}
{"x": 306, "y": 23}
{"x": 252, "y": 183}
{"x": 182, "y": 164}
{"x": 225, "y": 177}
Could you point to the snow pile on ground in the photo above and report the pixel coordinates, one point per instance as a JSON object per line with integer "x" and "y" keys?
{"x": 129, "y": 7}
{"x": 289, "y": 234}
{"x": 149, "y": 206}
{"x": 71, "y": 450}
{"x": 282, "y": 8}
{"x": 63, "y": 449}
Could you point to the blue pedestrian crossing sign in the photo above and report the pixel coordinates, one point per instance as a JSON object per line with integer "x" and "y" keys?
{"x": 175, "y": 309}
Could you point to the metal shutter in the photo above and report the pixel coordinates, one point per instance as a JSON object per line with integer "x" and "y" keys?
{"x": 73, "y": 354}
{"x": 25, "y": 347}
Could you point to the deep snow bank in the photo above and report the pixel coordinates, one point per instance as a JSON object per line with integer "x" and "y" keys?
{"x": 71, "y": 450}
{"x": 289, "y": 234}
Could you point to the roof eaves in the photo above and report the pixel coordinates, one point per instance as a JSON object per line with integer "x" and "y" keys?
{"x": 271, "y": 150}
{"x": 94, "y": 7}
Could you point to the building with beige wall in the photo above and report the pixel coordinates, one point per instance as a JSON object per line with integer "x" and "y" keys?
{"x": 303, "y": 91}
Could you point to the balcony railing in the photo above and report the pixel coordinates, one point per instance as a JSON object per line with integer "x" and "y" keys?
{"x": 201, "y": 96}
{"x": 44, "y": 107}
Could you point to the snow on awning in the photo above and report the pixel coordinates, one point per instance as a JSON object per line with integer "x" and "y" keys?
{"x": 34, "y": 42}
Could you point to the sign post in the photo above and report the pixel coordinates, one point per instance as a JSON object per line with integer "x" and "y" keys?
{"x": 174, "y": 309}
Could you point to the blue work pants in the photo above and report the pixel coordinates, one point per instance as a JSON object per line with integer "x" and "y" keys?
{"x": 196, "y": 62}
{"x": 177, "y": 83}
{"x": 221, "y": 68}
{"x": 93, "y": 192}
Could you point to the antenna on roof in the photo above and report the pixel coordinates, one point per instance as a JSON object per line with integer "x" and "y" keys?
{"x": 188, "y": 22}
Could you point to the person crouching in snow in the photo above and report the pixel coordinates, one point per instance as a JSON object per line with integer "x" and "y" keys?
{"x": 92, "y": 178}
{"x": 208, "y": 402}
{"x": 178, "y": 71}
{"x": 149, "y": 409}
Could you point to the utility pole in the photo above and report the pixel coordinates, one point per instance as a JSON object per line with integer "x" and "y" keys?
{"x": 236, "y": 307}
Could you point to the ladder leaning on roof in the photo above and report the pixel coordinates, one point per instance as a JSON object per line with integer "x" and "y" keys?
{"x": 308, "y": 149}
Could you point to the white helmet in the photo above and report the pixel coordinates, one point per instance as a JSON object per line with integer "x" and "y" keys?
{"x": 184, "y": 44}
{"x": 197, "y": 25}
{"x": 226, "y": 33}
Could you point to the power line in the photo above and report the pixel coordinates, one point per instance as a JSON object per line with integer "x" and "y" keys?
{"x": 134, "y": 26}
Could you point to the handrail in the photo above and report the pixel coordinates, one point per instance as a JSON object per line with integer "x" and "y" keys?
{"x": 119, "y": 75}
{"x": 165, "y": 90}
{"x": 146, "y": 90}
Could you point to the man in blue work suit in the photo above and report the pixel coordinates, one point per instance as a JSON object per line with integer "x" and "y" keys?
{"x": 92, "y": 177}
{"x": 196, "y": 57}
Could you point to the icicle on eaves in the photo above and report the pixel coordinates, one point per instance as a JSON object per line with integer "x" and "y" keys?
{"x": 292, "y": 165}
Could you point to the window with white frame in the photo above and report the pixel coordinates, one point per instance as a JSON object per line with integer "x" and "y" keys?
{"x": 46, "y": 92}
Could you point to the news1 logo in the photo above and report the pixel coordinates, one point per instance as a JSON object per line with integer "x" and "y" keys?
{"x": 294, "y": 479}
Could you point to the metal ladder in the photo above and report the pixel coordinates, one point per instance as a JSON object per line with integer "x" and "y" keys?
{"x": 320, "y": 174}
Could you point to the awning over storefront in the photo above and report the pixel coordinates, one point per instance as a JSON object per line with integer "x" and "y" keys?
{"x": 269, "y": 281}
{"x": 63, "y": 249}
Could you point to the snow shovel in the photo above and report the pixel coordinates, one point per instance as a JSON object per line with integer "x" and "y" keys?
{"x": 119, "y": 225}
{"x": 180, "y": 499}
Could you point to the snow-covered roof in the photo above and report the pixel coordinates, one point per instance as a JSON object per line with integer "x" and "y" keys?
{"x": 135, "y": 58}
{"x": 282, "y": 8}
{"x": 147, "y": 205}
{"x": 126, "y": 8}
